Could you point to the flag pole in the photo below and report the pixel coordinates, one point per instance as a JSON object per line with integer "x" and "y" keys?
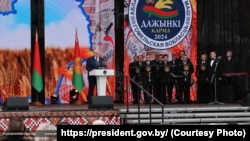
{"x": 36, "y": 55}
{"x": 37, "y": 103}
{"x": 77, "y": 73}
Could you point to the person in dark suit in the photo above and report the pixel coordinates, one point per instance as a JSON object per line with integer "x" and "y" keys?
{"x": 186, "y": 68}
{"x": 158, "y": 64}
{"x": 181, "y": 54}
{"x": 166, "y": 80}
{"x": 134, "y": 69}
{"x": 230, "y": 64}
{"x": 148, "y": 78}
{"x": 16, "y": 131}
{"x": 174, "y": 72}
{"x": 214, "y": 73}
{"x": 94, "y": 62}
{"x": 202, "y": 77}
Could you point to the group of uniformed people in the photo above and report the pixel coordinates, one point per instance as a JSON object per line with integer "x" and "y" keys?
{"x": 159, "y": 76}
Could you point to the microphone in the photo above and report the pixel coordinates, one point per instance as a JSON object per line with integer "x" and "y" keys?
{"x": 219, "y": 57}
{"x": 104, "y": 64}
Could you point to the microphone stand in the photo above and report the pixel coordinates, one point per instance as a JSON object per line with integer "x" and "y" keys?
{"x": 214, "y": 78}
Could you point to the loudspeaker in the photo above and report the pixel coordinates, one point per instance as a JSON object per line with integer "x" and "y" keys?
{"x": 246, "y": 100}
{"x": 101, "y": 102}
{"x": 16, "y": 104}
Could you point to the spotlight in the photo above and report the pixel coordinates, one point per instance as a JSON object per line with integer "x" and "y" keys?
{"x": 54, "y": 99}
{"x": 73, "y": 95}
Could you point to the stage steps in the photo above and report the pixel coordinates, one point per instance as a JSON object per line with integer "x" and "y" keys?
{"x": 186, "y": 115}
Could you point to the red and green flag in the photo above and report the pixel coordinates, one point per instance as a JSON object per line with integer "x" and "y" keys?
{"x": 77, "y": 81}
{"x": 37, "y": 79}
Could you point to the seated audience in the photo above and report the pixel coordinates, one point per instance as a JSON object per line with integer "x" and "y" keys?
{"x": 43, "y": 129}
{"x": 63, "y": 123}
{"x": 98, "y": 122}
{"x": 16, "y": 131}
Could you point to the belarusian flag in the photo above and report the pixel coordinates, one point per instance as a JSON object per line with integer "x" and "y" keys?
{"x": 37, "y": 80}
{"x": 78, "y": 82}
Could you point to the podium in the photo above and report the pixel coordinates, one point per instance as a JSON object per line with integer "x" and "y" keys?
{"x": 101, "y": 79}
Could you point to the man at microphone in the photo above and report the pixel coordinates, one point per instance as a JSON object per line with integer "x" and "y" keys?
{"x": 94, "y": 62}
{"x": 214, "y": 75}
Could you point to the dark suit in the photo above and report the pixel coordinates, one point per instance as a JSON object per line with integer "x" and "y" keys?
{"x": 212, "y": 76}
{"x": 157, "y": 87}
{"x": 230, "y": 82}
{"x": 174, "y": 70}
{"x": 230, "y": 66}
{"x": 148, "y": 79}
{"x": 185, "y": 81}
{"x": 166, "y": 82}
{"x": 91, "y": 65}
{"x": 203, "y": 83}
{"x": 135, "y": 72}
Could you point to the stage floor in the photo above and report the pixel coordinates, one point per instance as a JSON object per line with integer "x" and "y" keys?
{"x": 117, "y": 106}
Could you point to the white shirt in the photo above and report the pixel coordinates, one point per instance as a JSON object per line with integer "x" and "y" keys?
{"x": 97, "y": 59}
{"x": 211, "y": 63}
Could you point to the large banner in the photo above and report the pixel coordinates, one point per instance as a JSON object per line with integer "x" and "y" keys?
{"x": 15, "y": 49}
{"x": 93, "y": 20}
{"x": 160, "y": 27}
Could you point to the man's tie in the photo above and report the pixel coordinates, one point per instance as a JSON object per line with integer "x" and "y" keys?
{"x": 96, "y": 60}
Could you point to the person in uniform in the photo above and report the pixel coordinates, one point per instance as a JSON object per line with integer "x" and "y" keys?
{"x": 181, "y": 54}
{"x": 148, "y": 78}
{"x": 186, "y": 68}
{"x": 158, "y": 64}
{"x": 133, "y": 70}
{"x": 166, "y": 80}
{"x": 174, "y": 73}
{"x": 202, "y": 79}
